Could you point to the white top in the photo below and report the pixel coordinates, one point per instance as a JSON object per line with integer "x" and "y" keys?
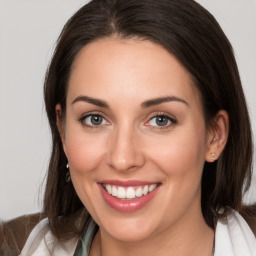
{"x": 233, "y": 237}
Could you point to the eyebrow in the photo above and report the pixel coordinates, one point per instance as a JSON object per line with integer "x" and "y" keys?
{"x": 145, "y": 104}
{"x": 97, "y": 102}
{"x": 157, "y": 101}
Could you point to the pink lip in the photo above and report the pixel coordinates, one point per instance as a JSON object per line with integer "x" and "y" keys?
{"x": 127, "y": 183}
{"x": 126, "y": 205}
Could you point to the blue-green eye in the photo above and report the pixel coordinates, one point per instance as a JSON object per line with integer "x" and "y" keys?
{"x": 161, "y": 121}
{"x": 94, "y": 120}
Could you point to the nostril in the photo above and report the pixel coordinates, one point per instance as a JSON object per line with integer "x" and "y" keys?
{"x": 123, "y": 152}
{"x": 122, "y": 165}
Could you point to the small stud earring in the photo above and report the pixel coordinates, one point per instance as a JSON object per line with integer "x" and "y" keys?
{"x": 215, "y": 138}
{"x": 213, "y": 156}
{"x": 67, "y": 178}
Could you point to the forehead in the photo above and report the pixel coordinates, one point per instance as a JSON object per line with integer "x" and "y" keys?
{"x": 128, "y": 67}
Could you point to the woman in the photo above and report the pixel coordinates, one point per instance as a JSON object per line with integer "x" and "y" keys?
{"x": 152, "y": 146}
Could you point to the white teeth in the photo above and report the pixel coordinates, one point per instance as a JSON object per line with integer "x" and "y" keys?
{"x": 152, "y": 187}
{"x": 114, "y": 191}
{"x": 108, "y": 188}
{"x": 145, "y": 190}
{"x": 121, "y": 192}
{"x": 139, "y": 192}
{"x": 130, "y": 192}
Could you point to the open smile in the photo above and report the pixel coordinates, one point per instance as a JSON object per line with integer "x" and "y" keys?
{"x": 129, "y": 192}
{"x": 128, "y": 196}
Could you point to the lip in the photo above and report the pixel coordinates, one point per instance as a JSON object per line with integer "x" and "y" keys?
{"x": 128, "y": 183}
{"x": 127, "y": 205}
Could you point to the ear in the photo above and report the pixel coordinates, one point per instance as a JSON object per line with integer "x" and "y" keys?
{"x": 60, "y": 124}
{"x": 217, "y": 136}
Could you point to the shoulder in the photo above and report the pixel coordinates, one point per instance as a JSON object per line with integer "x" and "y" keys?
{"x": 249, "y": 214}
{"x": 41, "y": 241}
{"x": 233, "y": 236}
{"x": 31, "y": 235}
{"x": 14, "y": 233}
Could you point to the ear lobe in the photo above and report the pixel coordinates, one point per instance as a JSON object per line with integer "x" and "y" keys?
{"x": 60, "y": 125}
{"x": 217, "y": 136}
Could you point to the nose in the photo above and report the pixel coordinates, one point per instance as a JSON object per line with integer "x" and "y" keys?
{"x": 125, "y": 152}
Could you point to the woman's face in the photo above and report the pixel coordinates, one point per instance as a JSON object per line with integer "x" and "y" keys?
{"x": 135, "y": 138}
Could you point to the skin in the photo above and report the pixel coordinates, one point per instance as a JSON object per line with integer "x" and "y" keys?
{"x": 130, "y": 145}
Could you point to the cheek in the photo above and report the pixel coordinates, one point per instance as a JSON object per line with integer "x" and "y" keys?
{"x": 84, "y": 151}
{"x": 183, "y": 152}
{"x": 180, "y": 157}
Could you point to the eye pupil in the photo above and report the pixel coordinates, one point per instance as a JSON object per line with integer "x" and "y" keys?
{"x": 96, "y": 119}
{"x": 161, "y": 120}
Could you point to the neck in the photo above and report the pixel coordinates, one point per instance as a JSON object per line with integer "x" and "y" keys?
{"x": 189, "y": 236}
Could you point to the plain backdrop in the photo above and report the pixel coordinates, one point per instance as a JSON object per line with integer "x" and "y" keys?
{"x": 28, "y": 31}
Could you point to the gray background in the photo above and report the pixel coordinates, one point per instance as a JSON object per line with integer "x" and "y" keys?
{"x": 28, "y": 31}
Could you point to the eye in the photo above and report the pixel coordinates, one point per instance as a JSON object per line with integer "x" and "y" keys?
{"x": 161, "y": 121}
{"x": 93, "y": 120}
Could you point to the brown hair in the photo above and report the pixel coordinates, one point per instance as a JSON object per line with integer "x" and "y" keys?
{"x": 194, "y": 37}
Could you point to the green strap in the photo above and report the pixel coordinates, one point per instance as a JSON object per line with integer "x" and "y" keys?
{"x": 84, "y": 244}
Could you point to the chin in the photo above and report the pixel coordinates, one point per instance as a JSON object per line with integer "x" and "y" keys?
{"x": 129, "y": 229}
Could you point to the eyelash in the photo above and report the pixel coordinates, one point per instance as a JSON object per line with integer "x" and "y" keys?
{"x": 172, "y": 121}
{"x": 96, "y": 114}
